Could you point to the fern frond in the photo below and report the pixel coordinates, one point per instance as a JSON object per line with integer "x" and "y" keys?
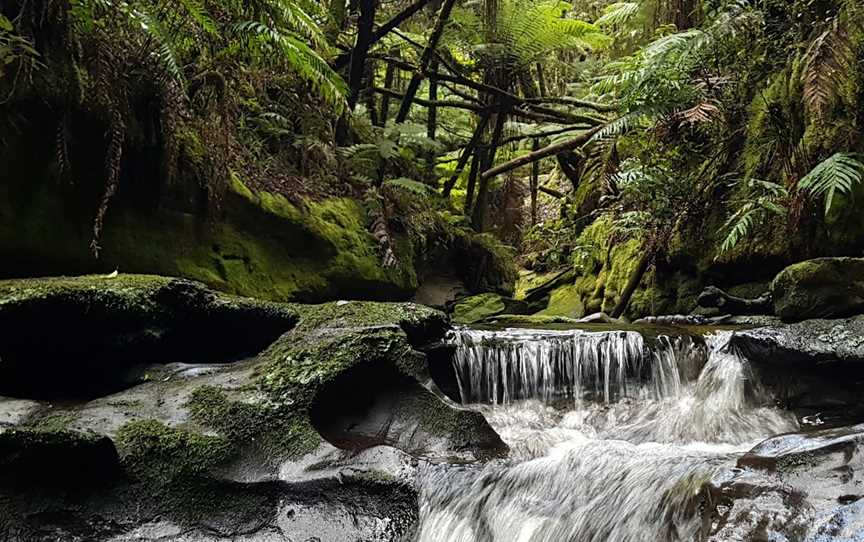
{"x": 827, "y": 64}
{"x": 302, "y": 58}
{"x": 410, "y": 185}
{"x": 836, "y": 175}
{"x": 618, "y": 14}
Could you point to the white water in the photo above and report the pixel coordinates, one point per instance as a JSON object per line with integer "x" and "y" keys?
{"x": 611, "y": 438}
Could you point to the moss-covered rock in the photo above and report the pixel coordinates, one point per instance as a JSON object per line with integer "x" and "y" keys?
{"x": 820, "y": 288}
{"x": 354, "y": 362}
{"x": 479, "y": 307}
{"x": 89, "y": 331}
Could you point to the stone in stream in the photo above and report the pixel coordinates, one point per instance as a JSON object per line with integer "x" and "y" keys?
{"x": 792, "y": 487}
{"x": 819, "y": 288}
{"x": 316, "y": 435}
{"x": 811, "y": 342}
{"x": 815, "y": 367}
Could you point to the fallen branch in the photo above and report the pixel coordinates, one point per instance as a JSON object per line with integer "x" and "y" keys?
{"x": 539, "y": 154}
{"x": 430, "y": 103}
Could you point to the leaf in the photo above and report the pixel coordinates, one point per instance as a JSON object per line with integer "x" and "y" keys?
{"x": 837, "y": 174}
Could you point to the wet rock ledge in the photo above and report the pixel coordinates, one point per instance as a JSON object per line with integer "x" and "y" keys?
{"x": 149, "y": 408}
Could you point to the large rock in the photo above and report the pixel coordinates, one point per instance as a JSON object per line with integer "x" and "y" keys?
{"x": 91, "y": 333}
{"x": 815, "y": 367}
{"x": 481, "y": 307}
{"x": 792, "y": 487}
{"x": 812, "y": 342}
{"x": 820, "y": 288}
{"x": 327, "y": 422}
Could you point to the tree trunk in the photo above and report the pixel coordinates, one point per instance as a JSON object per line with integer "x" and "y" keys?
{"x": 479, "y": 215}
{"x": 633, "y": 282}
{"x": 472, "y": 179}
{"x": 343, "y": 59}
{"x": 539, "y": 154}
{"x": 425, "y": 60}
{"x": 535, "y": 183}
{"x": 371, "y": 106}
{"x": 466, "y": 154}
{"x": 432, "y": 113}
{"x": 541, "y": 80}
{"x": 389, "y": 77}
{"x": 361, "y": 49}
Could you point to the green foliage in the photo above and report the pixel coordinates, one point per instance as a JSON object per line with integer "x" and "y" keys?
{"x": 836, "y": 175}
{"x": 763, "y": 200}
{"x": 17, "y": 54}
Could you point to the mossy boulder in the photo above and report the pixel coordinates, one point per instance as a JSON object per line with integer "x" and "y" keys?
{"x": 476, "y": 308}
{"x": 820, "y": 288}
{"x": 352, "y": 370}
{"x": 62, "y": 332}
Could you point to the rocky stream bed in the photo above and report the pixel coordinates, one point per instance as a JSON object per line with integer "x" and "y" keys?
{"x": 142, "y": 408}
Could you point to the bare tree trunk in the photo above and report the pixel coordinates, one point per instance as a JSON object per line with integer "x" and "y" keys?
{"x": 466, "y": 154}
{"x": 365, "y": 24}
{"x": 343, "y": 59}
{"x": 432, "y": 114}
{"x": 535, "y": 183}
{"x": 539, "y": 154}
{"x": 633, "y": 282}
{"x": 541, "y": 80}
{"x": 389, "y": 78}
{"x": 371, "y": 106}
{"x": 472, "y": 179}
{"x": 479, "y": 215}
{"x": 425, "y": 60}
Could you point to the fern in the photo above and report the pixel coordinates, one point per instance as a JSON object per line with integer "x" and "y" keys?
{"x": 766, "y": 199}
{"x": 302, "y": 58}
{"x": 618, "y": 14}
{"x": 837, "y": 175}
{"x": 410, "y": 185}
{"x": 828, "y": 63}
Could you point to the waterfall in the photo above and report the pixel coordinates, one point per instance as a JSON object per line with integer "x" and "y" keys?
{"x": 503, "y": 366}
{"x": 626, "y": 461}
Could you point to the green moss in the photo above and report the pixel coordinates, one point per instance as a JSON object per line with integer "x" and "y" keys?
{"x": 155, "y": 452}
{"x": 529, "y": 319}
{"x": 299, "y": 367}
{"x": 261, "y": 245}
{"x": 565, "y": 301}
{"x": 278, "y": 430}
{"x": 476, "y": 308}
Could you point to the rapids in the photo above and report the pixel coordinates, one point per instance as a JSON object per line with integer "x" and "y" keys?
{"x": 612, "y": 436}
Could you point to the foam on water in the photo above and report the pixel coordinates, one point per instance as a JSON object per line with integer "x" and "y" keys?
{"x": 611, "y": 439}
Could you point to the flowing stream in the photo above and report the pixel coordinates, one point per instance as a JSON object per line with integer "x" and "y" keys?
{"x": 612, "y": 436}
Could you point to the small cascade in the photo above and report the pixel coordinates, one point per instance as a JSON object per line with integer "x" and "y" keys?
{"x": 503, "y": 366}
{"x": 626, "y": 462}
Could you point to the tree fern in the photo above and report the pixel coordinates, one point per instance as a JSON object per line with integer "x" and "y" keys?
{"x": 302, "y": 58}
{"x": 837, "y": 175}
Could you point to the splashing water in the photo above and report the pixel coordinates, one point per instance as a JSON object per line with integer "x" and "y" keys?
{"x": 625, "y": 462}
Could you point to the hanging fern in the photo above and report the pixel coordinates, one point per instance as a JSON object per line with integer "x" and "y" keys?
{"x": 828, "y": 64}
{"x": 837, "y": 175}
{"x": 302, "y": 58}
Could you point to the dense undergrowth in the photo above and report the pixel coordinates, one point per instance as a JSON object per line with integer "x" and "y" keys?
{"x": 633, "y": 141}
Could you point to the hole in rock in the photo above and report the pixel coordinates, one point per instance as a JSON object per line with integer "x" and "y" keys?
{"x": 369, "y": 405}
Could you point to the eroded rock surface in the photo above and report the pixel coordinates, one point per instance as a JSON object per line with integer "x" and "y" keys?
{"x": 803, "y": 487}
{"x": 317, "y": 435}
